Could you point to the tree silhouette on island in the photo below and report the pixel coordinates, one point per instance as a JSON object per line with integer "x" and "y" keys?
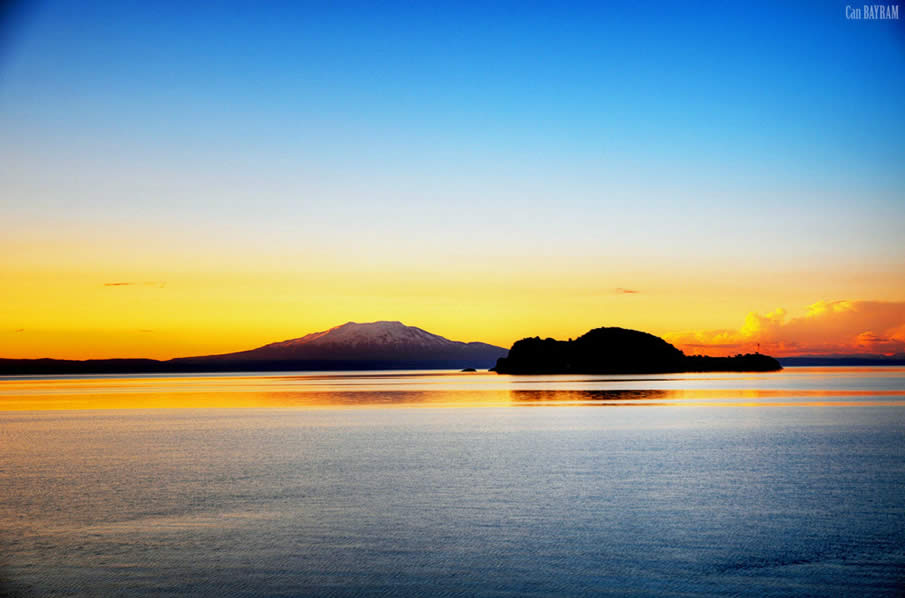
{"x": 619, "y": 351}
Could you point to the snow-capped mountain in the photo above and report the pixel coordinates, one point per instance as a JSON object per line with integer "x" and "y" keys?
{"x": 374, "y": 344}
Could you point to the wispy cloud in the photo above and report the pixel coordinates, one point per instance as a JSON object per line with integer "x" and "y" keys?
{"x": 151, "y": 283}
{"x": 19, "y": 330}
{"x": 828, "y": 327}
{"x": 622, "y": 291}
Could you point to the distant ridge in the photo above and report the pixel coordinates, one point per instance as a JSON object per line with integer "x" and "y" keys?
{"x": 844, "y": 360}
{"x": 619, "y": 351}
{"x": 351, "y": 346}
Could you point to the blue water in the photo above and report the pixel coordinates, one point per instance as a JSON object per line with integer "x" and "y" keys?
{"x": 448, "y": 485}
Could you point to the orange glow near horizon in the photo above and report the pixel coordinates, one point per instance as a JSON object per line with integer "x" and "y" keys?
{"x": 827, "y": 328}
{"x": 172, "y": 305}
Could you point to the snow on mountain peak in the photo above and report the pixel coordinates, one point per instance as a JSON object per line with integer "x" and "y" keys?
{"x": 383, "y": 332}
{"x": 382, "y": 342}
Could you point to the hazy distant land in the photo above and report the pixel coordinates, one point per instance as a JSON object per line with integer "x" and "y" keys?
{"x": 844, "y": 360}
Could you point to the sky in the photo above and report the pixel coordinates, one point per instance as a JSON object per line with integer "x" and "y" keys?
{"x": 191, "y": 178}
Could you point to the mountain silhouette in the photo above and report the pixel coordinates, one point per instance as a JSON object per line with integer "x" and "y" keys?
{"x": 618, "y": 351}
{"x": 351, "y": 346}
{"x": 375, "y": 342}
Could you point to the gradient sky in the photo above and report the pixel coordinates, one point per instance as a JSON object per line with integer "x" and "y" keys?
{"x": 258, "y": 171}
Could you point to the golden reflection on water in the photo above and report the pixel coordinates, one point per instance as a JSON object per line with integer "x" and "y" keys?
{"x": 434, "y": 389}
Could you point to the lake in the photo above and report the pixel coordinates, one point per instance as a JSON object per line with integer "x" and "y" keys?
{"x": 430, "y": 483}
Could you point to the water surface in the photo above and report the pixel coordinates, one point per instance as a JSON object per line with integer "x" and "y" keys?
{"x": 444, "y": 483}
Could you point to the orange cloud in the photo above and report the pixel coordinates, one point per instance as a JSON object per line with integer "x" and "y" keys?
{"x": 828, "y": 327}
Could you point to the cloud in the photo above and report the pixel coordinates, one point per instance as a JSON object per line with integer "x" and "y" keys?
{"x": 627, "y": 291}
{"x": 828, "y": 327}
{"x": 150, "y": 283}
{"x": 19, "y": 330}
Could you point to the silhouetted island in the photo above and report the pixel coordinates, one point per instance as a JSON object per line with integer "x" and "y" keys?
{"x": 619, "y": 351}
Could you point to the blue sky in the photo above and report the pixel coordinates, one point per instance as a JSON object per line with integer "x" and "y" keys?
{"x": 727, "y": 110}
{"x": 692, "y": 91}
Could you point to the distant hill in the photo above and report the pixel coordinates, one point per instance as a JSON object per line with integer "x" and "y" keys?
{"x": 25, "y": 367}
{"x": 352, "y": 346}
{"x": 618, "y": 351}
{"x": 843, "y": 360}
